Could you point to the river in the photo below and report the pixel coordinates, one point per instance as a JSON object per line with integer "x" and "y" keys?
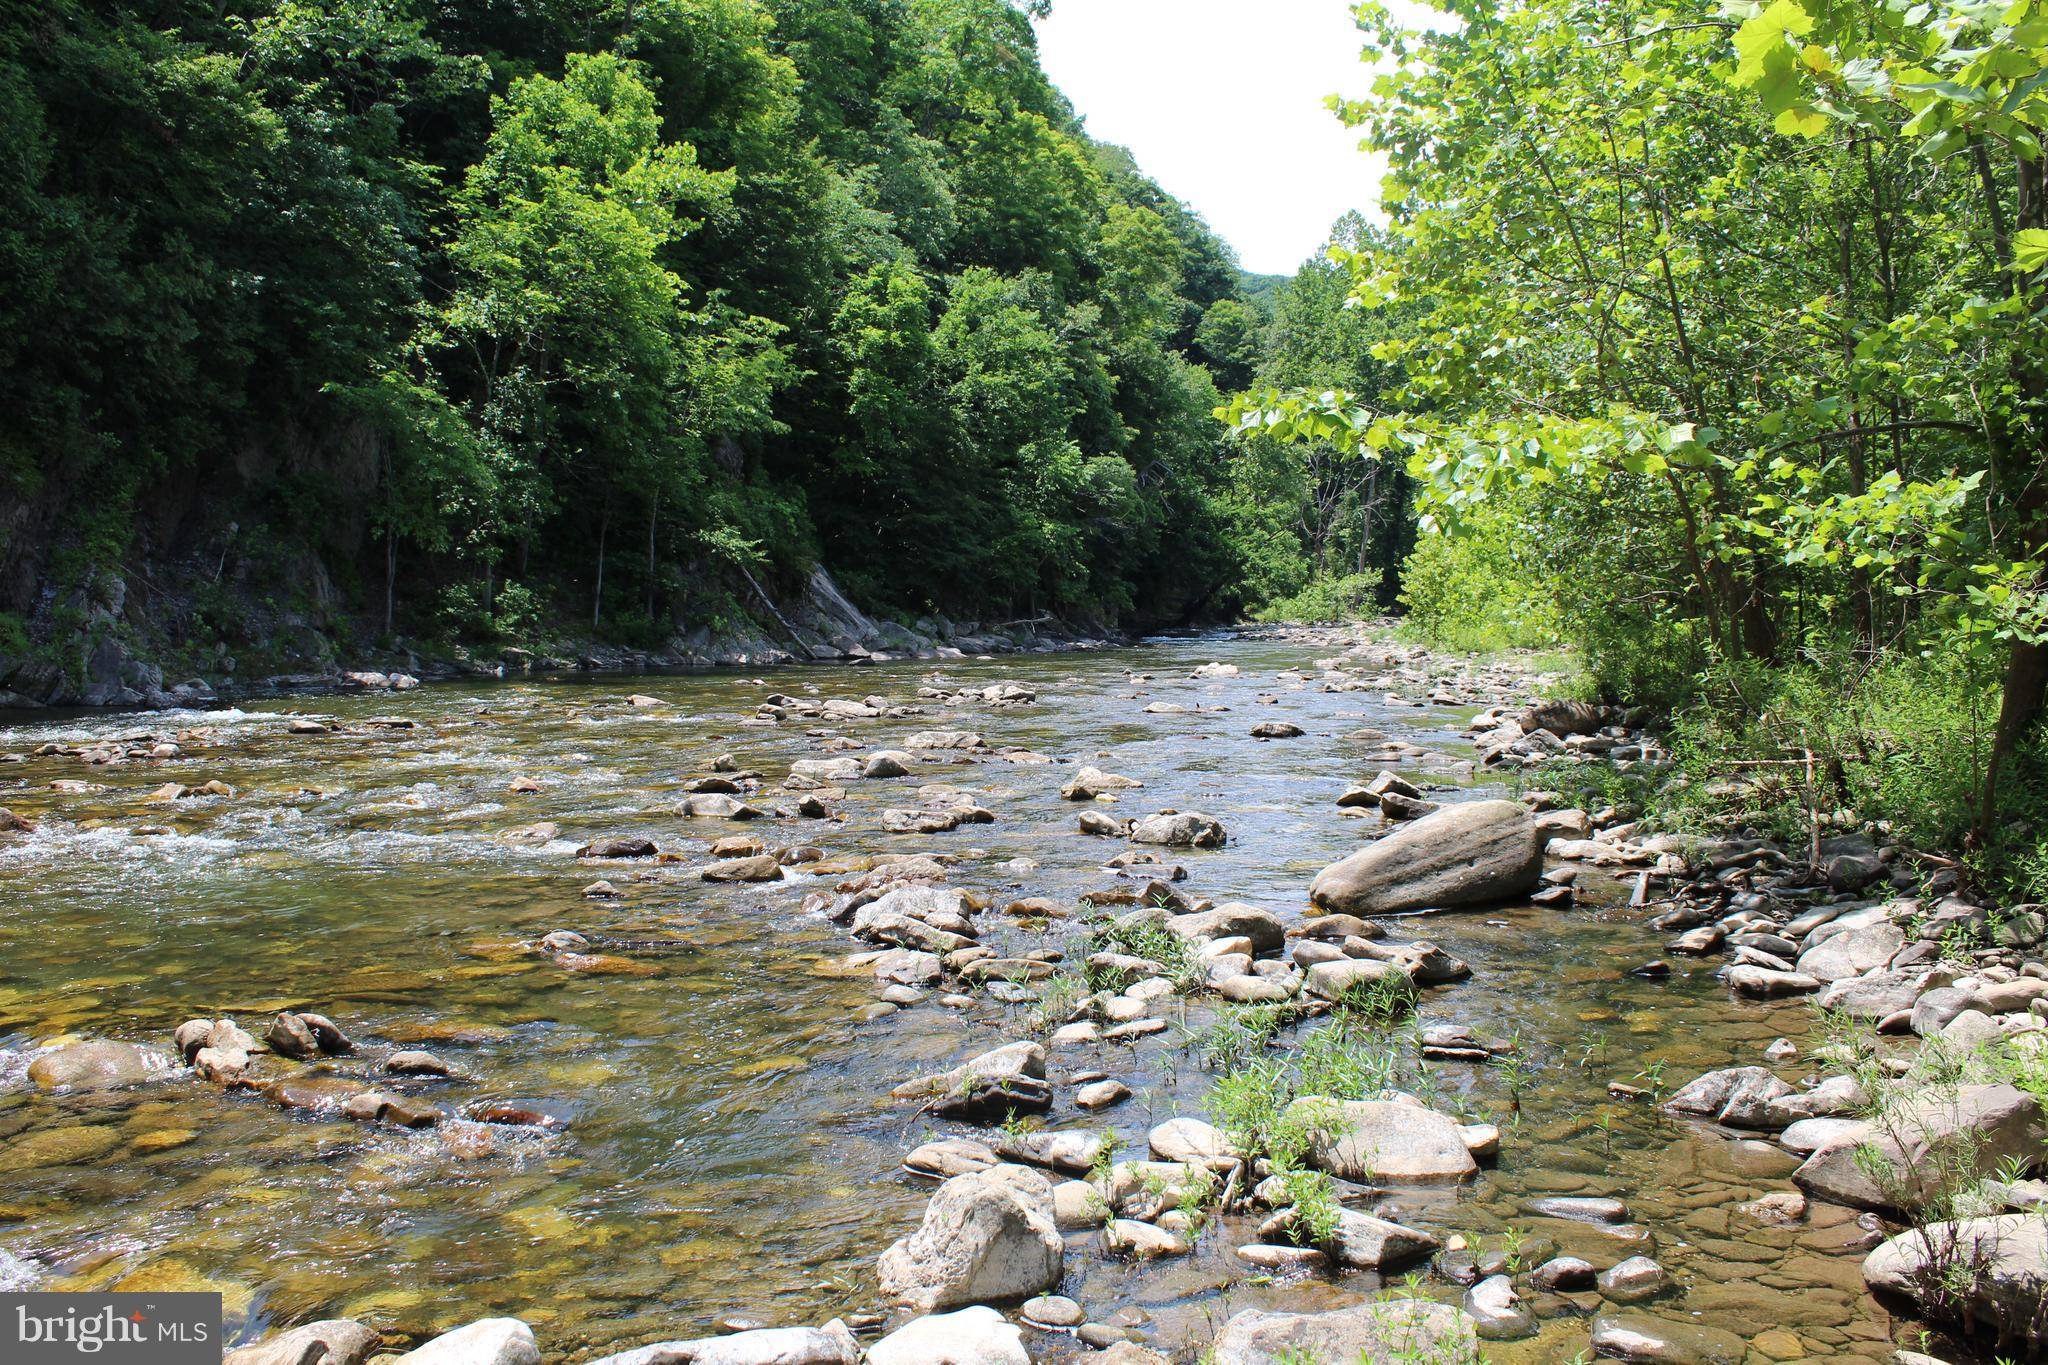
{"x": 721, "y": 1138}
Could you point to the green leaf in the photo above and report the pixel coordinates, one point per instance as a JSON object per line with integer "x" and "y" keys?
{"x": 2030, "y": 249}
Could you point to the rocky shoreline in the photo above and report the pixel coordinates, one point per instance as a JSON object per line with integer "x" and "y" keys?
{"x": 1325, "y": 1122}
{"x": 820, "y": 627}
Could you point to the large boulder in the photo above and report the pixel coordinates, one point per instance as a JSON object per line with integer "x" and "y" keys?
{"x": 1376, "y": 1140}
{"x": 1846, "y": 949}
{"x": 492, "y": 1341}
{"x": 972, "y": 1336}
{"x": 1472, "y": 853}
{"x": 1370, "y": 1334}
{"x": 1925, "y": 1145}
{"x": 1179, "y": 829}
{"x": 831, "y": 1344}
{"x": 2006, "y": 1285}
{"x": 985, "y": 1236}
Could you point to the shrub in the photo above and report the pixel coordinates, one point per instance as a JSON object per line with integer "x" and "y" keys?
{"x": 1484, "y": 588}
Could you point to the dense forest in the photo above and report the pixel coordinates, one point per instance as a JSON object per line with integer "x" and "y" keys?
{"x": 461, "y": 317}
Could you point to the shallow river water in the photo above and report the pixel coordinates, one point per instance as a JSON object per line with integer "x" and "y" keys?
{"x": 727, "y": 1144}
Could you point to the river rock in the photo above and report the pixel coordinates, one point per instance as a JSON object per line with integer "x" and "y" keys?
{"x": 762, "y": 867}
{"x": 972, "y": 1336}
{"x": 1179, "y": 829}
{"x": 1101, "y": 1094}
{"x": 1090, "y": 783}
{"x": 1740, "y": 1096}
{"x": 1191, "y": 1142}
{"x": 1578, "y": 1208}
{"x": 1765, "y": 983}
{"x": 1564, "y": 1274}
{"x": 1012, "y": 1061}
{"x": 1633, "y": 1280}
{"x": 614, "y": 848}
{"x": 334, "y": 1341}
{"x": 989, "y": 1235}
{"x": 1337, "y": 978}
{"x": 1851, "y": 951}
{"x": 1472, "y": 853}
{"x": 2007, "y": 1280}
{"x": 1498, "y": 1313}
{"x": 1978, "y": 1127}
{"x": 878, "y": 925}
{"x": 1052, "y": 1310}
{"x": 887, "y": 763}
{"x": 492, "y": 1341}
{"x": 1370, "y": 1243}
{"x": 831, "y": 1344}
{"x": 1139, "y": 1240}
{"x": 1375, "y": 1140}
{"x": 1647, "y": 1340}
{"x": 1876, "y": 995}
{"x": 1384, "y": 1333}
{"x": 716, "y": 806}
{"x": 1261, "y": 927}
{"x": 94, "y": 1066}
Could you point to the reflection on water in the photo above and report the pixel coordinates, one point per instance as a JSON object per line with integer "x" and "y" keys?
{"x": 727, "y": 1145}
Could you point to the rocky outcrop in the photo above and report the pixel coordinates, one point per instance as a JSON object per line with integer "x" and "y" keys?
{"x": 1473, "y": 853}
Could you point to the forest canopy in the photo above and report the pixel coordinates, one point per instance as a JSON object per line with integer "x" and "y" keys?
{"x": 488, "y": 305}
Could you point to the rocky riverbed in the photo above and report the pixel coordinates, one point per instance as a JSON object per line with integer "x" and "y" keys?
{"x": 928, "y": 1010}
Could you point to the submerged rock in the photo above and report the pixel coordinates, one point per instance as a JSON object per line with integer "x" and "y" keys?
{"x": 1370, "y": 1334}
{"x": 94, "y": 1066}
{"x": 1648, "y": 1340}
{"x": 1472, "y": 853}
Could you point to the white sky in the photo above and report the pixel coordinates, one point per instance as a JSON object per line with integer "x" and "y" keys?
{"x": 1221, "y": 101}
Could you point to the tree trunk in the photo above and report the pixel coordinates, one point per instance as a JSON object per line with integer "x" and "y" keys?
{"x": 604, "y": 523}
{"x": 653, "y": 520}
{"x": 390, "y": 578}
{"x": 2020, "y": 475}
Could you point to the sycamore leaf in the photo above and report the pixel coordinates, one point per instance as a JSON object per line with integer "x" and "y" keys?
{"x": 1799, "y": 122}
{"x": 2030, "y": 249}
{"x": 1760, "y": 43}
